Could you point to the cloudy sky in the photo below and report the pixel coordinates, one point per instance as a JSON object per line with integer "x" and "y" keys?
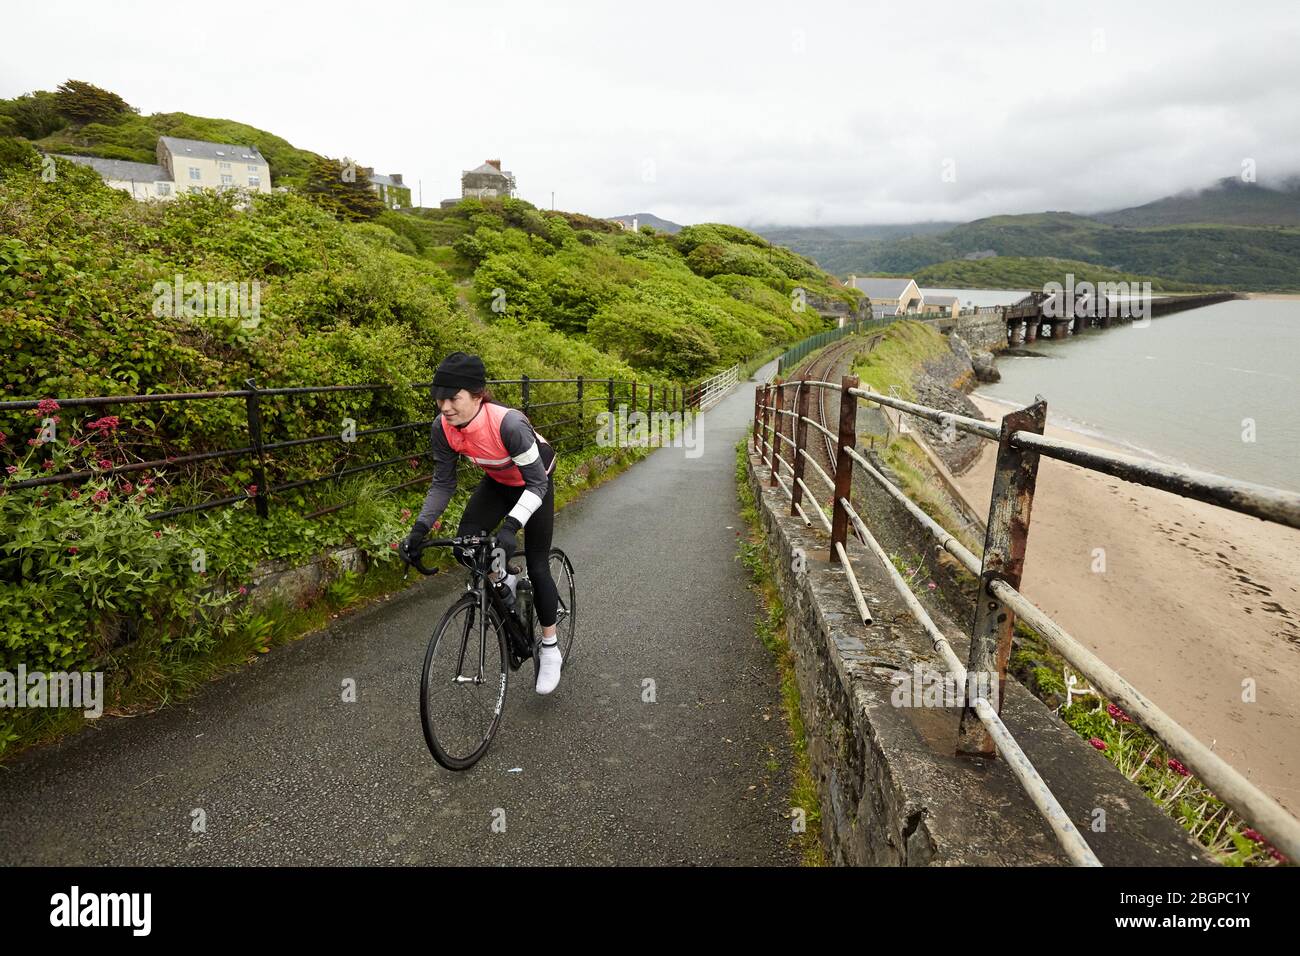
{"x": 743, "y": 112}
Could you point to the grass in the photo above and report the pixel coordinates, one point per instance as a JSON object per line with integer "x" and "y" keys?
{"x": 903, "y": 348}
{"x": 770, "y": 630}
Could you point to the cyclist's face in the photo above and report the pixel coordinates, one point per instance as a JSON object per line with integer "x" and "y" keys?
{"x": 459, "y": 410}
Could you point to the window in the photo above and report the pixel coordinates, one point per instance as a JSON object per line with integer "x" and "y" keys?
{"x": 196, "y": 189}
{"x": 196, "y": 173}
{"x": 223, "y": 165}
{"x": 227, "y": 179}
{"x": 164, "y": 189}
{"x": 252, "y": 168}
{"x": 255, "y": 181}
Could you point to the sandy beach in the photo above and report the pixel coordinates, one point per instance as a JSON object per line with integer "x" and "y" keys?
{"x": 1193, "y": 601}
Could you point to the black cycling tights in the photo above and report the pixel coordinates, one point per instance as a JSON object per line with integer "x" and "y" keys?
{"x": 488, "y": 506}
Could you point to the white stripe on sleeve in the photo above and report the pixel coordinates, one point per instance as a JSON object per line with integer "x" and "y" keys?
{"x": 528, "y": 502}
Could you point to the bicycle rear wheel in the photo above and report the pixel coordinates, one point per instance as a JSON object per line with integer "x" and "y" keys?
{"x": 463, "y": 684}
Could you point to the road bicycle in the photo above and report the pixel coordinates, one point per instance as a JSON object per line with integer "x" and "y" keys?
{"x": 476, "y": 645}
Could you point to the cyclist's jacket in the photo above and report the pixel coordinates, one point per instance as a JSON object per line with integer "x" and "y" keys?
{"x": 501, "y": 441}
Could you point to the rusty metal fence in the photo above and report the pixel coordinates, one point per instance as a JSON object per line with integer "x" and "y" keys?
{"x": 1021, "y": 445}
{"x": 563, "y": 422}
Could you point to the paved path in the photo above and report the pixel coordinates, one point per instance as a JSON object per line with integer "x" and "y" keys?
{"x": 287, "y": 773}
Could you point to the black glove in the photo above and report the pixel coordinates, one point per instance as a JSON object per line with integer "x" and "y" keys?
{"x": 409, "y": 549}
{"x": 506, "y": 537}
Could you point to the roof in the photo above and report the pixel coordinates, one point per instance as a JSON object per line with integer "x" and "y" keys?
{"x": 942, "y": 300}
{"x": 487, "y": 169}
{"x": 879, "y": 310}
{"x": 882, "y": 288}
{"x": 224, "y": 152}
{"x": 382, "y": 180}
{"x": 121, "y": 169}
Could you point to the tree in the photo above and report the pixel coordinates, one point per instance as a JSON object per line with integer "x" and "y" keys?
{"x": 86, "y": 103}
{"x": 343, "y": 188}
{"x": 34, "y": 115}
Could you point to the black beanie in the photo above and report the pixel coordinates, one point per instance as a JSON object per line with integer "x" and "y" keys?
{"x": 459, "y": 370}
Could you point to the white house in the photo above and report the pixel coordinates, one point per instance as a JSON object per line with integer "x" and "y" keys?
{"x": 195, "y": 165}
{"x": 889, "y": 296}
{"x": 141, "y": 180}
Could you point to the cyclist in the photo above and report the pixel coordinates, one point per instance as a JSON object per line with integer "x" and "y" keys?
{"x": 518, "y": 485}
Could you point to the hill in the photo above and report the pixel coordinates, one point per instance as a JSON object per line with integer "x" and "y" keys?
{"x": 649, "y": 219}
{"x": 1228, "y": 202}
{"x": 1237, "y": 257}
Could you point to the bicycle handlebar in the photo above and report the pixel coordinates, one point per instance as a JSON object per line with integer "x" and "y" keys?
{"x": 461, "y": 541}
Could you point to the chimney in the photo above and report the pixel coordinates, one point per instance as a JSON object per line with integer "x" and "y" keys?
{"x": 396, "y": 178}
{"x": 494, "y": 162}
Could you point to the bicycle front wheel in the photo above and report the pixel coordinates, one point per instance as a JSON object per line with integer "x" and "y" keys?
{"x": 567, "y": 619}
{"x": 463, "y": 685}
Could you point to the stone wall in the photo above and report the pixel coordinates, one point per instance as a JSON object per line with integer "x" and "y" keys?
{"x": 893, "y": 792}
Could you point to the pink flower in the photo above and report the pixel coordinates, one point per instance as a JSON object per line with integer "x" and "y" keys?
{"x": 1178, "y": 768}
{"x": 100, "y": 496}
{"x": 74, "y": 494}
{"x": 415, "y": 463}
{"x": 72, "y": 550}
{"x": 12, "y": 469}
{"x": 243, "y": 590}
{"x": 1253, "y": 835}
{"x": 251, "y": 489}
{"x": 105, "y": 463}
{"x": 932, "y": 585}
{"x": 127, "y": 487}
{"x": 33, "y": 441}
{"x": 47, "y": 465}
{"x": 406, "y": 513}
{"x": 47, "y": 405}
{"x": 1098, "y": 743}
{"x": 393, "y": 545}
{"x": 3, "y": 438}
{"x": 1276, "y": 854}
{"x": 157, "y": 534}
{"x": 1118, "y": 714}
{"x": 107, "y": 423}
{"x": 75, "y": 442}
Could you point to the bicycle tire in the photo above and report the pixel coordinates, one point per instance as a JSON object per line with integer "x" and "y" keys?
{"x": 568, "y": 592}
{"x": 441, "y": 753}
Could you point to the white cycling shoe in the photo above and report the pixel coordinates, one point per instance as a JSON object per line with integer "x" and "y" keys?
{"x": 550, "y": 660}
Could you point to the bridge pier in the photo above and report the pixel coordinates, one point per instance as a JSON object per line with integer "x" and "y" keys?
{"x": 1014, "y": 334}
{"x": 1031, "y": 330}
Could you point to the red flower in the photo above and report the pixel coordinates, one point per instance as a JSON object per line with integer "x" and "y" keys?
{"x": 107, "y": 423}
{"x": 406, "y": 513}
{"x": 243, "y": 590}
{"x": 47, "y": 465}
{"x": 74, "y": 494}
{"x": 1178, "y": 768}
{"x": 1118, "y": 714}
{"x": 100, "y": 496}
{"x": 1275, "y": 854}
{"x": 393, "y": 545}
{"x": 105, "y": 463}
{"x": 33, "y": 441}
{"x": 3, "y": 438}
{"x": 75, "y": 442}
{"x": 1250, "y": 834}
{"x": 415, "y": 463}
{"x": 11, "y": 469}
{"x": 1098, "y": 743}
{"x": 47, "y": 405}
{"x": 251, "y": 489}
{"x": 72, "y": 550}
{"x": 127, "y": 487}
{"x": 157, "y": 534}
